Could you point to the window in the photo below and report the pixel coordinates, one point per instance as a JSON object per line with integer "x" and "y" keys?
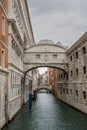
{"x": 71, "y": 73}
{"x": 71, "y": 91}
{"x": 76, "y": 93}
{"x": 77, "y": 71}
{"x": 67, "y": 90}
{"x": 60, "y": 90}
{"x": 61, "y": 75}
{"x": 3, "y": 58}
{"x": 64, "y": 75}
{"x": 46, "y": 58}
{"x": 54, "y": 56}
{"x": 84, "y": 69}
{"x": 64, "y": 90}
{"x": 70, "y": 58}
{"x": 84, "y": 50}
{"x": 76, "y": 55}
{"x": 84, "y": 95}
{"x": 38, "y": 56}
{"x": 3, "y": 24}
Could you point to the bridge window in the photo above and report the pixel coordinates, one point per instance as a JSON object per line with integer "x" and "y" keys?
{"x": 54, "y": 56}
{"x": 38, "y": 56}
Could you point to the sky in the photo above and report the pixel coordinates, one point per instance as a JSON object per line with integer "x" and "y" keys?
{"x": 62, "y": 21}
{"x": 42, "y": 70}
{"x": 58, "y": 20}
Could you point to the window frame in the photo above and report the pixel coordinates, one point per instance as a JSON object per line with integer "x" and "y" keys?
{"x": 3, "y": 58}
{"x": 3, "y": 24}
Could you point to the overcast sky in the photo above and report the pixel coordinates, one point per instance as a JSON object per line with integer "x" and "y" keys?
{"x": 58, "y": 20}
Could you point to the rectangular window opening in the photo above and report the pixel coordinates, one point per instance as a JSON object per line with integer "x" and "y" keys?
{"x": 70, "y": 58}
{"x": 76, "y": 93}
{"x": 71, "y": 73}
{"x": 38, "y": 56}
{"x": 3, "y": 24}
{"x": 84, "y": 69}
{"x": 76, "y": 71}
{"x": 76, "y": 55}
{"x": 67, "y": 90}
{"x": 84, "y": 95}
{"x": 54, "y": 56}
{"x": 84, "y": 50}
{"x": 3, "y": 58}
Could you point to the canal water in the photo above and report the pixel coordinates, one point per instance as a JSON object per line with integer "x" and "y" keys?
{"x": 48, "y": 113}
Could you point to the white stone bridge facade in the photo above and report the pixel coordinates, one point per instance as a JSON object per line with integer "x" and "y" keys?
{"x": 45, "y": 54}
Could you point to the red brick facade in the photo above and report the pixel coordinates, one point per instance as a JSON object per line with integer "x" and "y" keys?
{"x": 4, "y": 37}
{"x": 53, "y": 79}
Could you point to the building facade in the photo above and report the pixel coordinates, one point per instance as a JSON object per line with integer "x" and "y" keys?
{"x": 53, "y": 80}
{"x": 3, "y": 59}
{"x": 20, "y": 37}
{"x": 74, "y": 90}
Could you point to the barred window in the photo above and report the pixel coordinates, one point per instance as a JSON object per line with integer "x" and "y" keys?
{"x": 54, "y": 56}
{"x": 38, "y": 56}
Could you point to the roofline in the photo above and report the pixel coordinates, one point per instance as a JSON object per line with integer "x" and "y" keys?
{"x": 48, "y": 45}
{"x": 78, "y": 43}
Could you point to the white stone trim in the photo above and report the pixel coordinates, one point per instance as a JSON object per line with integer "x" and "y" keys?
{"x": 3, "y": 44}
{"x": 3, "y": 70}
{"x": 5, "y": 11}
{"x": 14, "y": 98}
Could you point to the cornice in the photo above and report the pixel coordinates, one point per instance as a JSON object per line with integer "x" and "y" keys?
{"x": 15, "y": 67}
{"x": 13, "y": 22}
{"x": 4, "y": 70}
{"x": 78, "y": 43}
{"x": 3, "y": 44}
{"x": 46, "y": 44}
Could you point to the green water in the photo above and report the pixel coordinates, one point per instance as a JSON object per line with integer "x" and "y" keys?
{"x": 48, "y": 113}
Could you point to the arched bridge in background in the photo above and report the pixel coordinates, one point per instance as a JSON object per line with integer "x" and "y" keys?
{"x": 44, "y": 88}
{"x": 46, "y": 54}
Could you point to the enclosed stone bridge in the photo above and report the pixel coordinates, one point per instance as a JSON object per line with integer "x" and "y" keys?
{"x": 45, "y": 54}
{"x": 44, "y": 88}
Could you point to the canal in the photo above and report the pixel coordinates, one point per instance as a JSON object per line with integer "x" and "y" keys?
{"x": 48, "y": 113}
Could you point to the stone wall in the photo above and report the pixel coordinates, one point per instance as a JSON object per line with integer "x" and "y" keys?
{"x": 74, "y": 90}
{"x": 3, "y": 90}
